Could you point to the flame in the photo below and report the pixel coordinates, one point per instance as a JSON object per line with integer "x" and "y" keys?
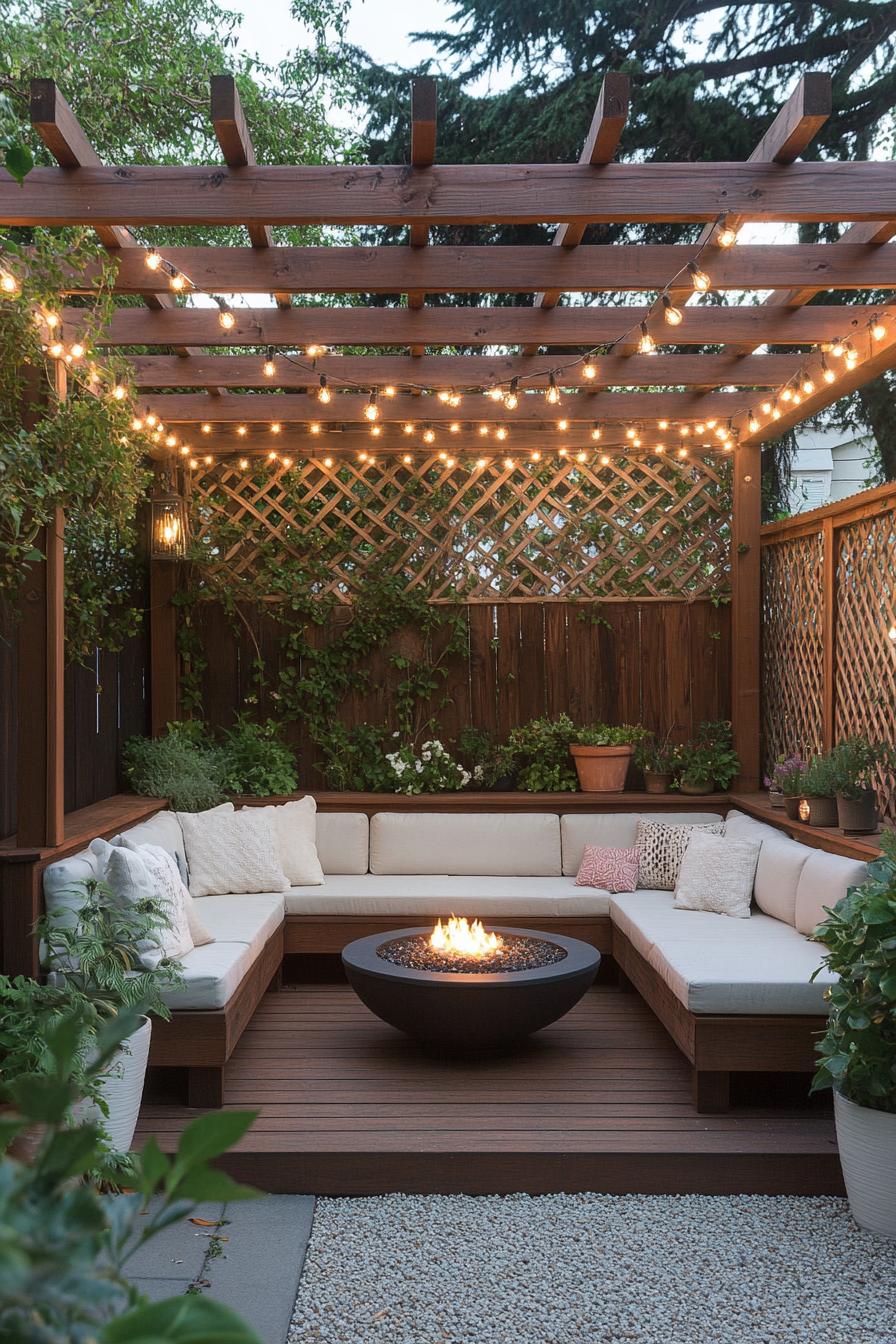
{"x": 463, "y": 938}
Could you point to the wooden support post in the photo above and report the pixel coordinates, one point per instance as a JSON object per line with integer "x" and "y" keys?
{"x": 746, "y": 577}
{"x": 163, "y": 660}
{"x": 828, "y": 631}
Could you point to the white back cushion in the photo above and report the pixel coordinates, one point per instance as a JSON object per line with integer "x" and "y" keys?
{"x": 295, "y": 827}
{"x": 343, "y": 842}
{"x": 232, "y": 852}
{"x": 824, "y": 881}
{"x": 163, "y": 830}
{"x": 490, "y": 844}
{"x": 781, "y": 862}
{"x": 613, "y": 830}
{"x": 743, "y": 827}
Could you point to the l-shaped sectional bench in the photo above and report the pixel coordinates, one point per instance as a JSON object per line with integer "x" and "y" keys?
{"x": 734, "y": 994}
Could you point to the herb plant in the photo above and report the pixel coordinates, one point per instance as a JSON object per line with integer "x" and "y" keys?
{"x": 857, "y": 764}
{"x": 858, "y": 1051}
{"x": 821, "y": 778}
{"x": 181, "y": 766}
{"x": 787, "y": 775}
{"x": 537, "y": 755}
{"x": 256, "y": 760}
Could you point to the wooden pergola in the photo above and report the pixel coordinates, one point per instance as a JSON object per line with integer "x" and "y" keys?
{"x": 662, "y": 376}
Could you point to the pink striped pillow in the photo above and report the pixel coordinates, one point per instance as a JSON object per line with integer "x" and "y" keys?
{"x": 610, "y": 869}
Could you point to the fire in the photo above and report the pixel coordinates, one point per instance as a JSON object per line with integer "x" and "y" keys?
{"x": 463, "y": 938}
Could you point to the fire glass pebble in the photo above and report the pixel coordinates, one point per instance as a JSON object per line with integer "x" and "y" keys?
{"x": 514, "y": 954}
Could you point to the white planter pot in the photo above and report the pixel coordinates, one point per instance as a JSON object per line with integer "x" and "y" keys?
{"x": 867, "y": 1141}
{"x": 123, "y": 1089}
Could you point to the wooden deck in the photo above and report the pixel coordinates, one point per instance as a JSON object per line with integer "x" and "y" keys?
{"x": 600, "y": 1101}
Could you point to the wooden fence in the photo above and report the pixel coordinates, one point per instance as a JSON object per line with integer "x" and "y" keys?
{"x": 105, "y": 703}
{"x": 664, "y": 664}
{"x": 829, "y": 627}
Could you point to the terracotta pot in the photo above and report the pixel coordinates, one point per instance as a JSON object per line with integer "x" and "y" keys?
{"x": 695, "y": 786}
{"x": 775, "y": 798}
{"x": 601, "y": 769}
{"x": 657, "y": 781}
{"x": 792, "y": 805}
{"x": 867, "y": 1143}
{"x": 858, "y": 814}
{"x": 822, "y": 811}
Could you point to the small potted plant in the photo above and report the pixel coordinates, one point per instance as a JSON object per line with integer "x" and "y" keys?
{"x": 857, "y": 763}
{"x": 95, "y": 948}
{"x": 709, "y": 760}
{"x": 602, "y": 755}
{"x": 787, "y": 778}
{"x": 858, "y": 1051}
{"x": 536, "y": 755}
{"x": 657, "y": 760}
{"x": 818, "y": 805}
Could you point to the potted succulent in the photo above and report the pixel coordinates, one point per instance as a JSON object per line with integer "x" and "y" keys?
{"x": 784, "y": 781}
{"x": 818, "y": 805}
{"x": 602, "y": 755}
{"x": 858, "y": 1050}
{"x": 709, "y": 760}
{"x": 857, "y": 763}
{"x": 95, "y": 948}
{"x": 657, "y": 761}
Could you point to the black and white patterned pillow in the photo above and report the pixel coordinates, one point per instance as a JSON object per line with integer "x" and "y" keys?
{"x": 661, "y": 848}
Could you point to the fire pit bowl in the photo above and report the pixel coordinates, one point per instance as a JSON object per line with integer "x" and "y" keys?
{"x": 465, "y": 1009}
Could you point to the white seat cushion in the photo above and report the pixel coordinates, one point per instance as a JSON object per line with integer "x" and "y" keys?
{"x": 496, "y": 844}
{"x": 714, "y": 965}
{"x": 401, "y": 895}
{"x": 242, "y": 919}
{"x": 614, "y": 830}
{"x": 343, "y": 841}
{"x": 212, "y": 974}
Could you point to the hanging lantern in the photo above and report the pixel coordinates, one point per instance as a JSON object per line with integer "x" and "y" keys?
{"x": 168, "y": 539}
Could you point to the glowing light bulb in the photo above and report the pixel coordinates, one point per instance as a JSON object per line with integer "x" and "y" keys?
{"x": 444, "y": 395}
{"x": 495, "y": 394}
{"x": 362, "y": 457}
{"x": 136, "y": 424}
{"x": 450, "y": 462}
{"x": 244, "y": 464}
{"x": 604, "y": 460}
{"x": 481, "y": 463}
{"x": 828, "y": 374}
{"x": 57, "y": 349}
{"x": 429, "y": 435}
{"x": 269, "y": 368}
{"x": 482, "y": 431}
{"x": 752, "y": 423}
{"x": 726, "y": 236}
{"x": 226, "y": 317}
{"x": 323, "y": 392}
{"x": 682, "y": 452}
{"x": 77, "y": 350}
{"x": 535, "y": 456}
{"x": 171, "y": 441}
{"x": 371, "y": 410}
{"x": 671, "y": 314}
{"x": 276, "y": 427}
{"x": 193, "y": 463}
{"x": 153, "y": 259}
{"x": 177, "y": 282}
{"x": 508, "y": 463}
{"x": 512, "y": 400}
{"x": 388, "y": 390}
{"x": 454, "y": 427}
{"x": 119, "y": 391}
{"x": 52, "y": 320}
{"x": 589, "y": 371}
{"x": 596, "y": 433}
{"x": 501, "y": 433}
{"x": 8, "y": 283}
{"x": 838, "y": 349}
{"x": 242, "y": 430}
{"x": 581, "y": 457}
{"x": 184, "y": 450}
{"x": 786, "y": 394}
{"x": 663, "y": 424}
{"x": 314, "y": 427}
{"x": 313, "y": 350}
{"x": 878, "y": 330}
{"x": 408, "y": 428}
{"x": 776, "y": 413}
{"x": 766, "y": 408}
{"x": 808, "y": 386}
{"x": 646, "y": 343}
{"x": 699, "y": 279}
{"x": 376, "y": 430}
{"x": 563, "y": 452}
{"x": 553, "y": 392}
{"x": 208, "y": 460}
{"x": 407, "y": 459}
{"x": 563, "y": 426}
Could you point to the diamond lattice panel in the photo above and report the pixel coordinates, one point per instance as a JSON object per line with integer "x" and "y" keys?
{"x": 865, "y": 653}
{"x": 792, "y": 666}
{"x": 564, "y": 529}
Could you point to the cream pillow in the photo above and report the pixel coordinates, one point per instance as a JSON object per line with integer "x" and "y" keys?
{"x": 661, "y": 847}
{"x": 717, "y": 875}
{"x": 232, "y": 852}
{"x": 138, "y": 873}
{"x": 295, "y": 825}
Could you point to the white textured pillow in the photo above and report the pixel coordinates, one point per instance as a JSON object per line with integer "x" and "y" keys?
{"x": 170, "y": 892}
{"x": 295, "y": 825}
{"x": 126, "y": 872}
{"x": 661, "y": 848}
{"x": 232, "y": 852}
{"x": 717, "y": 875}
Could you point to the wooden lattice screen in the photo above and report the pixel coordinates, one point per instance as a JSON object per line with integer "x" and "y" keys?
{"x": 475, "y": 530}
{"x": 829, "y": 610}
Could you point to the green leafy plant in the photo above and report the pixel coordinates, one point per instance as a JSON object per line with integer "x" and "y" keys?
{"x": 821, "y": 777}
{"x": 787, "y": 775}
{"x": 97, "y": 946}
{"x": 710, "y": 756}
{"x": 605, "y": 735}
{"x": 28, "y": 1011}
{"x": 659, "y": 756}
{"x": 537, "y": 755}
{"x": 182, "y": 766}
{"x": 256, "y": 760}
{"x": 857, "y": 764}
{"x": 64, "y": 1249}
{"x": 433, "y": 770}
{"x": 484, "y": 757}
{"x": 858, "y": 1051}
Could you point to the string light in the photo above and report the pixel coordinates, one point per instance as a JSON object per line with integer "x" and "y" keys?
{"x": 827, "y": 372}
{"x": 699, "y": 279}
{"x": 276, "y": 427}
{"x": 52, "y": 320}
{"x": 371, "y": 410}
{"x": 193, "y": 463}
{"x": 314, "y": 427}
{"x": 878, "y": 330}
{"x": 407, "y": 459}
{"x": 171, "y": 441}
{"x": 226, "y": 316}
{"x": 663, "y": 424}
{"x": 595, "y": 433}
{"x": 752, "y": 423}
{"x": 8, "y": 282}
{"x": 176, "y": 279}
{"x": 136, "y": 424}
{"x": 272, "y": 456}
{"x": 208, "y": 460}
{"x": 631, "y": 433}
{"x": 481, "y": 464}
{"x": 269, "y": 368}
{"x": 563, "y": 452}
{"x": 313, "y": 350}
{"x": 119, "y": 391}
{"x": 454, "y": 427}
{"x": 726, "y": 236}
{"x": 429, "y": 435}
{"x": 604, "y": 460}
{"x": 495, "y": 394}
{"x": 581, "y": 457}
{"x": 323, "y": 392}
{"x": 646, "y": 343}
{"x": 553, "y": 392}
{"x": 671, "y": 314}
{"x": 244, "y": 463}
{"x": 242, "y": 430}
{"x": 287, "y": 461}
{"x": 589, "y": 371}
{"x": 501, "y": 433}
{"x": 808, "y": 385}
{"x": 511, "y": 400}
{"x": 851, "y": 357}
{"x": 56, "y": 349}
{"x": 389, "y": 390}
{"x": 408, "y": 428}
{"x": 77, "y": 350}
{"x": 482, "y": 431}
{"x": 184, "y": 450}
{"x": 376, "y": 430}
{"x": 535, "y": 456}
{"x": 153, "y": 259}
{"x": 838, "y": 349}
{"x": 508, "y": 463}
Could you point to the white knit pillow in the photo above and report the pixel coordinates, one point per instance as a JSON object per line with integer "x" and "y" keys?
{"x": 232, "y": 852}
{"x": 127, "y": 873}
{"x": 661, "y": 846}
{"x": 717, "y": 875}
{"x": 170, "y": 892}
{"x": 295, "y": 824}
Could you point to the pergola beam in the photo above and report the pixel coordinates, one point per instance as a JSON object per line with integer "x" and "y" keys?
{"x": 424, "y": 106}
{"x": 464, "y": 326}
{"x": 460, "y": 371}
{"x": 685, "y": 193}
{"x": 232, "y": 132}
{"x": 299, "y": 443}
{"x": 474, "y": 269}
{"x": 627, "y": 407}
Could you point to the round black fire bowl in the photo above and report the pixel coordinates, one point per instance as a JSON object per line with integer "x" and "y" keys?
{"x": 469, "y": 1011}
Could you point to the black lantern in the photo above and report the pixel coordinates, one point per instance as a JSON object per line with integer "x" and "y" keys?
{"x": 168, "y": 538}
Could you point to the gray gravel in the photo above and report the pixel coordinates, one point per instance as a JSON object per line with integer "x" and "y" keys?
{"x": 593, "y": 1269}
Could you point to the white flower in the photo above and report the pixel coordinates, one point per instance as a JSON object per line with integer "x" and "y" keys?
{"x": 427, "y": 756}
{"x": 477, "y": 771}
{"x": 419, "y": 767}
{"x": 465, "y": 777}
{"x": 396, "y": 733}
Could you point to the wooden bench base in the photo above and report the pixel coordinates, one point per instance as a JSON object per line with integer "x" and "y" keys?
{"x": 716, "y": 1045}
{"x": 331, "y": 933}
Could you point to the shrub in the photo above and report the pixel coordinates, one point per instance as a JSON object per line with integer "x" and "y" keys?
{"x": 256, "y": 760}
{"x": 858, "y": 1050}
{"x": 434, "y": 770}
{"x": 537, "y": 755}
{"x": 605, "y": 735}
{"x": 710, "y": 755}
{"x": 181, "y": 766}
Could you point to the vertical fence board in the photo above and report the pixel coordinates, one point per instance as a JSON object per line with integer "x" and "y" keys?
{"x": 483, "y": 668}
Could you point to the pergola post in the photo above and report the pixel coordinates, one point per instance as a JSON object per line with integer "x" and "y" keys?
{"x": 163, "y": 662}
{"x": 746, "y": 607}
